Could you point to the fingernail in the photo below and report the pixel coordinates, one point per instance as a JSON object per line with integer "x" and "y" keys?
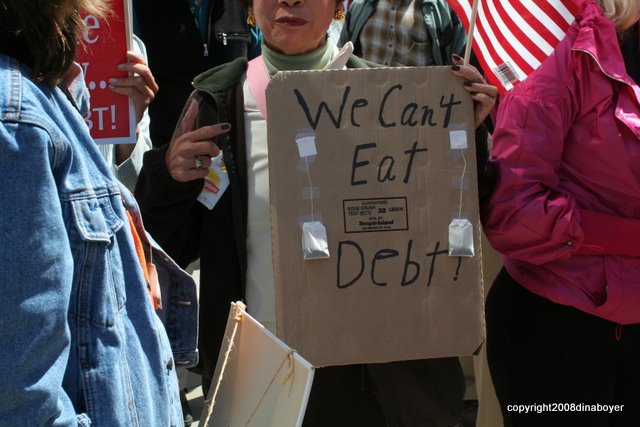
{"x": 225, "y": 126}
{"x": 456, "y": 57}
{"x": 468, "y": 83}
{"x": 113, "y": 80}
{"x": 455, "y": 67}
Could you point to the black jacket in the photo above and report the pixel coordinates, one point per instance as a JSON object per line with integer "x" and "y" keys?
{"x": 176, "y": 51}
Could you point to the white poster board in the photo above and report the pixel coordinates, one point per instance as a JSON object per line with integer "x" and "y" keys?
{"x": 259, "y": 381}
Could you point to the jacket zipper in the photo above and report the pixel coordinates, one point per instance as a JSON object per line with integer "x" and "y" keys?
{"x": 608, "y": 75}
{"x": 224, "y": 38}
{"x": 600, "y": 66}
{"x": 602, "y": 69}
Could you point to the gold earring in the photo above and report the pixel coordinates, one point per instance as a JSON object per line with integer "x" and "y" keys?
{"x": 340, "y": 15}
{"x": 251, "y": 20}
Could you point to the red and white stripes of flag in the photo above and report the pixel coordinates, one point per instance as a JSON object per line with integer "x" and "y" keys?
{"x": 513, "y": 37}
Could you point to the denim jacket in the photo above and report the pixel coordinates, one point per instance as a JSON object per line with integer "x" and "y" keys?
{"x": 81, "y": 344}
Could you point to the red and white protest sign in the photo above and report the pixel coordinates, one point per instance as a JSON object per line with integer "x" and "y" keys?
{"x": 104, "y": 45}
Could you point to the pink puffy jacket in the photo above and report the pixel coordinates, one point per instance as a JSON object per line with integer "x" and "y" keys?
{"x": 565, "y": 212}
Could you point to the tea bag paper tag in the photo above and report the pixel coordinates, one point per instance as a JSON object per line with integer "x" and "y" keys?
{"x": 458, "y": 139}
{"x": 215, "y": 183}
{"x": 306, "y": 145}
{"x": 314, "y": 240}
{"x": 461, "y": 238}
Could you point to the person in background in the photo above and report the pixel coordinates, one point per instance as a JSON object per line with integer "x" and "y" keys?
{"x": 404, "y": 33}
{"x": 233, "y": 240}
{"x": 183, "y": 39}
{"x": 563, "y": 316}
{"x": 141, "y": 87}
{"x": 79, "y": 332}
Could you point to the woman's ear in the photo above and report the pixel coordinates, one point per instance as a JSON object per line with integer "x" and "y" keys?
{"x": 251, "y": 20}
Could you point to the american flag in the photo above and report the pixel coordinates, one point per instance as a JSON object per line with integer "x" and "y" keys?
{"x": 513, "y": 37}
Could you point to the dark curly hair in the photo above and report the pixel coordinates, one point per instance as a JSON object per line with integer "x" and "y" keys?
{"x": 48, "y": 31}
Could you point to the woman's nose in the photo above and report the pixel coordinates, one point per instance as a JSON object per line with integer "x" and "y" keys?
{"x": 291, "y": 3}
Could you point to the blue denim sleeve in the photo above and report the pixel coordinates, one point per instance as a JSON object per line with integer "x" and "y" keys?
{"x": 36, "y": 270}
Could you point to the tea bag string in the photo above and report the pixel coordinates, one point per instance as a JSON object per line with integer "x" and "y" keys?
{"x": 464, "y": 171}
{"x": 311, "y": 195}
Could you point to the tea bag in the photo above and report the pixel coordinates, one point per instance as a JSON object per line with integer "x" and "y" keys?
{"x": 314, "y": 240}
{"x": 461, "y": 238}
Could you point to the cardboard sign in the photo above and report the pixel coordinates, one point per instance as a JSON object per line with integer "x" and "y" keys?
{"x": 259, "y": 381}
{"x": 112, "y": 118}
{"x": 385, "y": 160}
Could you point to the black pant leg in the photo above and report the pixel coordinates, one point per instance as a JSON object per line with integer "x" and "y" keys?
{"x": 419, "y": 393}
{"x": 543, "y": 353}
{"x": 342, "y": 397}
{"x": 627, "y": 392}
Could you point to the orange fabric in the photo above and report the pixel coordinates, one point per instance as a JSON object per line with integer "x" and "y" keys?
{"x": 152, "y": 287}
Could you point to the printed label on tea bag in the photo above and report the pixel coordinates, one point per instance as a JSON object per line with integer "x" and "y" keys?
{"x": 215, "y": 183}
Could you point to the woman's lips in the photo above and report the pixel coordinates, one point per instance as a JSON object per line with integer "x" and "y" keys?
{"x": 291, "y": 21}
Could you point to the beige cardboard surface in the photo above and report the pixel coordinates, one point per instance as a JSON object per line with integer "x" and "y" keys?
{"x": 386, "y": 184}
{"x": 263, "y": 384}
